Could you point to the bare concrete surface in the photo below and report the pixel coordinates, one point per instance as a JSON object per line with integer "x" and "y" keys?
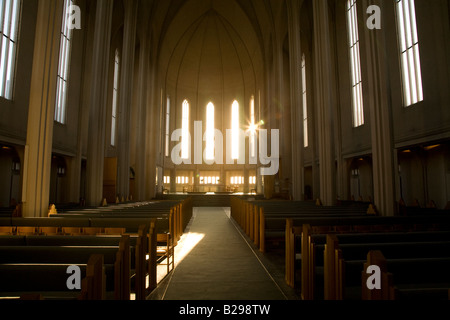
{"x": 215, "y": 262}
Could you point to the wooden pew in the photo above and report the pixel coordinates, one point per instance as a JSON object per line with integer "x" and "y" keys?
{"x": 418, "y": 279}
{"x": 18, "y": 262}
{"x": 342, "y": 262}
{"x": 133, "y": 219}
{"x": 183, "y": 210}
{"x": 387, "y": 291}
{"x": 122, "y": 270}
{"x": 176, "y": 214}
{"x": 264, "y": 221}
{"x": 46, "y": 279}
{"x": 93, "y": 286}
{"x": 165, "y": 250}
{"x": 310, "y": 242}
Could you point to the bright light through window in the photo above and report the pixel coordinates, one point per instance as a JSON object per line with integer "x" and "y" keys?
{"x": 209, "y": 132}
{"x": 185, "y": 131}
{"x": 114, "y": 100}
{"x": 252, "y": 128}
{"x": 305, "y": 104}
{"x": 167, "y": 126}
{"x": 9, "y": 24}
{"x": 235, "y": 130}
{"x": 355, "y": 64}
{"x": 409, "y": 52}
{"x": 64, "y": 64}
{"x": 239, "y": 180}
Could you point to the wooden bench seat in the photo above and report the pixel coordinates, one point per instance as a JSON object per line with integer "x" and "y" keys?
{"x": 46, "y": 279}
{"x": 61, "y": 240}
{"x": 55, "y": 254}
{"x": 35, "y": 277}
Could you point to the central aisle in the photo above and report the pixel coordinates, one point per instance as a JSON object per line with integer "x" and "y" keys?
{"x": 220, "y": 265}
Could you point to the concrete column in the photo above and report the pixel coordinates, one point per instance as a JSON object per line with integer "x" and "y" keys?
{"x": 295, "y": 56}
{"x": 246, "y": 180}
{"x": 383, "y": 159}
{"x": 173, "y": 180}
{"x": 38, "y": 149}
{"x": 125, "y": 98}
{"x": 83, "y": 116}
{"x": 153, "y": 132}
{"x": 97, "y": 102}
{"x": 324, "y": 101}
{"x": 141, "y": 146}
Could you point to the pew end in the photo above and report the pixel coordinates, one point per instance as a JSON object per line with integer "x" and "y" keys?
{"x": 165, "y": 250}
{"x": 93, "y": 286}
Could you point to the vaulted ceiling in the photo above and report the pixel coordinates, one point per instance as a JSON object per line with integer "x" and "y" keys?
{"x": 213, "y": 50}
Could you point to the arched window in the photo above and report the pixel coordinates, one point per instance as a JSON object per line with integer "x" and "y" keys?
{"x": 114, "y": 99}
{"x": 185, "y": 131}
{"x": 355, "y": 64}
{"x": 235, "y": 130}
{"x": 209, "y": 132}
{"x": 409, "y": 52}
{"x": 9, "y": 25}
{"x": 64, "y": 66}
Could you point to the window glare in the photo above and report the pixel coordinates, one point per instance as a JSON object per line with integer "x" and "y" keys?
{"x": 167, "y": 127}
{"x": 409, "y": 52}
{"x": 63, "y": 69}
{"x": 9, "y": 24}
{"x": 305, "y": 104}
{"x": 185, "y": 131}
{"x": 252, "y": 128}
{"x": 114, "y": 99}
{"x": 235, "y": 130}
{"x": 355, "y": 64}
{"x": 210, "y": 131}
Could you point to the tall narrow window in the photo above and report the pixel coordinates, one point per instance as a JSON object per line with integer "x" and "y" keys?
{"x": 409, "y": 52}
{"x": 114, "y": 100}
{"x": 63, "y": 68}
{"x": 355, "y": 64}
{"x": 209, "y": 132}
{"x": 235, "y": 130}
{"x": 167, "y": 126}
{"x": 252, "y": 128}
{"x": 9, "y": 24}
{"x": 185, "y": 131}
{"x": 305, "y": 104}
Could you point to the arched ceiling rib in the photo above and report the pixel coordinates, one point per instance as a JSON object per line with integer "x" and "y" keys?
{"x": 189, "y": 14}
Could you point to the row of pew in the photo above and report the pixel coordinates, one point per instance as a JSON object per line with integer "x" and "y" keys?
{"x": 328, "y": 249}
{"x": 117, "y": 249}
{"x": 333, "y": 259}
{"x": 40, "y": 266}
{"x": 264, "y": 221}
